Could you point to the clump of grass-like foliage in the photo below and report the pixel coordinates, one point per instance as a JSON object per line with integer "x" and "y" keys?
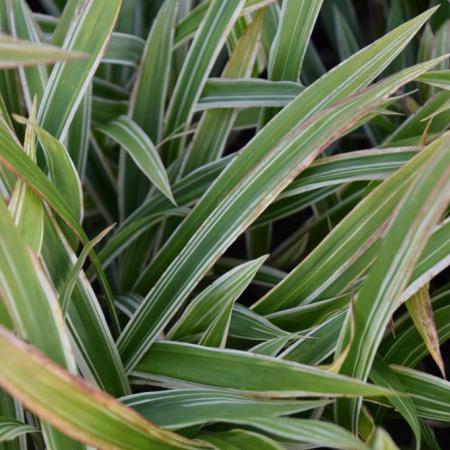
{"x": 224, "y": 224}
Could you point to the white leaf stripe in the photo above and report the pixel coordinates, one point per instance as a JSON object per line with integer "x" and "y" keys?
{"x": 185, "y": 407}
{"x": 246, "y": 93}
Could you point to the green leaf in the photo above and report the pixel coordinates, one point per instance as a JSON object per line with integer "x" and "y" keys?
{"x": 25, "y": 206}
{"x": 318, "y": 343}
{"x": 371, "y": 164}
{"x": 429, "y": 393}
{"x": 62, "y": 171}
{"x": 409, "y": 348}
{"x": 189, "y": 24}
{"x": 287, "y": 206}
{"x": 78, "y": 135}
{"x": 217, "y": 333}
{"x": 215, "y": 300}
{"x": 27, "y": 316}
{"x": 9, "y": 408}
{"x": 124, "y": 49}
{"x": 23, "y": 25}
{"x": 180, "y": 408}
{"x": 329, "y": 82}
{"x": 171, "y": 362}
{"x": 11, "y": 428}
{"x": 246, "y": 324}
{"x": 288, "y": 49}
{"x": 68, "y": 83}
{"x": 104, "y": 110}
{"x": 305, "y": 316}
{"x": 383, "y": 375}
{"x": 141, "y": 149}
{"x": 414, "y": 126}
{"x": 129, "y": 234}
{"x": 441, "y": 44}
{"x": 15, "y": 160}
{"x": 272, "y": 347}
{"x": 438, "y": 78}
{"x": 213, "y": 31}
{"x": 153, "y": 73}
{"x": 85, "y": 318}
{"x": 179, "y": 317}
{"x": 380, "y": 440}
{"x": 60, "y": 27}
{"x": 230, "y": 440}
{"x": 247, "y": 93}
{"x": 350, "y": 242}
{"x": 345, "y": 40}
{"x": 18, "y": 53}
{"x": 315, "y": 432}
{"x": 69, "y": 285}
{"x": 72, "y": 405}
{"x": 210, "y": 138}
{"x": 150, "y": 88}
{"x": 421, "y": 207}
{"x": 186, "y": 191}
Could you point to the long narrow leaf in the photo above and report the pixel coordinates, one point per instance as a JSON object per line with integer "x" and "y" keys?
{"x": 68, "y": 82}
{"x": 185, "y": 407}
{"x": 246, "y": 372}
{"x": 17, "y": 52}
{"x": 11, "y": 428}
{"x": 141, "y": 149}
{"x": 218, "y": 21}
{"x": 212, "y": 132}
{"x": 28, "y": 317}
{"x": 76, "y": 407}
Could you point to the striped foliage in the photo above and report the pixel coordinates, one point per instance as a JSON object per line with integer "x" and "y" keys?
{"x": 224, "y": 224}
